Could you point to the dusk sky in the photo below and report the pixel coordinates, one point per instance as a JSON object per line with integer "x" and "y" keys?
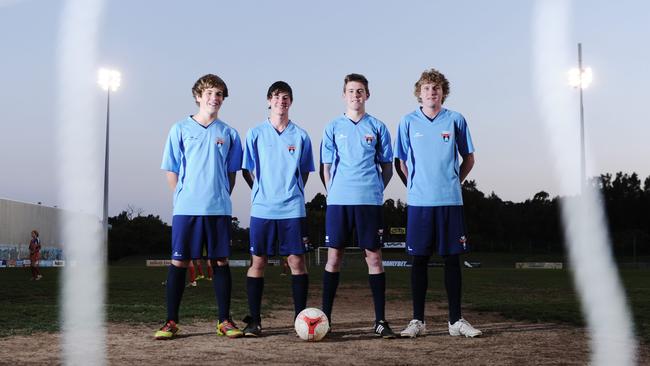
{"x": 161, "y": 48}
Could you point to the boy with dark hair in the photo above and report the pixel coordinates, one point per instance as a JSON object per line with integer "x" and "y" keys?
{"x": 202, "y": 156}
{"x": 277, "y": 162}
{"x": 427, "y": 148}
{"x": 355, "y": 168}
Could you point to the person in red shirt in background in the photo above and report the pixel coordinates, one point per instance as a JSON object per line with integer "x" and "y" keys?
{"x": 35, "y": 256}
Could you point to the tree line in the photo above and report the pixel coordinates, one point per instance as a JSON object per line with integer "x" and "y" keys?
{"x": 494, "y": 225}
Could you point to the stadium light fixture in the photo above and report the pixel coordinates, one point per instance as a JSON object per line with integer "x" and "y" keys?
{"x": 581, "y": 78}
{"x": 110, "y": 81}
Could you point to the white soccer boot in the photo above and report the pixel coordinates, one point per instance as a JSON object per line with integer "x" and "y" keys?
{"x": 462, "y": 327}
{"x": 414, "y": 329}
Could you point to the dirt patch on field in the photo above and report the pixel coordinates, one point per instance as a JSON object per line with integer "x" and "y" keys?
{"x": 504, "y": 342}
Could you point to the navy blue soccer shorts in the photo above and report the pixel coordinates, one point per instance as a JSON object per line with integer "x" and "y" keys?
{"x": 440, "y": 229}
{"x": 195, "y": 237}
{"x": 272, "y": 236}
{"x": 340, "y": 220}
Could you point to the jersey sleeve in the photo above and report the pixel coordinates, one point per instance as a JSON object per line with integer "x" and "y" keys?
{"x": 248, "y": 162}
{"x": 306, "y": 156}
{"x": 234, "y": 159}
{"x": 402, "y": 141}
{"x": 172, "y": 154}
{"x": 463, "y": 137}
{"x": 384, "y": 150}
{"x": 327, "y": 146}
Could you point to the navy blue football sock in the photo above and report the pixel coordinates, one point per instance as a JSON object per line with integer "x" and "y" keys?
{"x": 255, "y": 289}
{"x": 453, "y": 286}
{"x": 222, "y": 282}
{"x": 419, "y": 284}
{"x": 299, "y": 287}
{"x": 174, "y": 289}
{"x": 330, "y": 284}
{"x": 378, "y": 289}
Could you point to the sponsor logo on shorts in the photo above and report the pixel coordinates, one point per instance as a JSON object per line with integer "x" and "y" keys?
{"x": 219, "y": 141}
{"x": 252, "y": 249}
{"x": 445, "y": 136}
{"x": 341, "y": 136}
{"x": 463, "y": 242}
{"x": 177, "y": 254}
{"x": 418, "y": 134}
{"x": 369, "y": 139}
{"x": 327, "y": 238}
{"x": 291, "y": 148}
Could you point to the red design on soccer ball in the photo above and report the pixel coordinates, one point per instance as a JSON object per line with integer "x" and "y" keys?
{"x": 312, "y": 323}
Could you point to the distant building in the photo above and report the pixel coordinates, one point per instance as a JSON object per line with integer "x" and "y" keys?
{"x": 18, "y": 219}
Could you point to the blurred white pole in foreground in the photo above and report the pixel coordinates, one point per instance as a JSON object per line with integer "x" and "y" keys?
{"x": 80, "y": 185}
{"x": 602, "y": 298}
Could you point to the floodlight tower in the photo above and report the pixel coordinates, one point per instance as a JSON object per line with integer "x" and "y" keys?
{"x": 109, "y": 80}
{"x": 581, "y": 78}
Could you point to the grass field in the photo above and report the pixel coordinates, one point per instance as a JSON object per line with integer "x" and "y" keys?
{"x": 135, "y": 294}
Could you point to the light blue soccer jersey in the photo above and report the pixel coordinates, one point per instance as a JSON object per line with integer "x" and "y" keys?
{"x": 355, "y": 150}
{"x": 431, "y": 150}
{"x": 278, "y": 161}
{"x": 202, "y": 157}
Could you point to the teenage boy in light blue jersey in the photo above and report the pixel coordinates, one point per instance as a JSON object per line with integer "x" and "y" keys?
{"x": 277, "y": 162}
{"x": 356, "y": 159}
{"x": 433, "y": 155}
{"x": 202, "y": 156}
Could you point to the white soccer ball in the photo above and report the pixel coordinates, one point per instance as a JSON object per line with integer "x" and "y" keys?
{"x": 312, "y": 324}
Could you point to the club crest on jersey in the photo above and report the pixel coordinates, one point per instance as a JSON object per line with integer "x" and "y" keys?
{"x": 369, "y": 139}
{"x": 219, "y": 141}
{"x": 463, "y": 241}
{"x": 445, "y": 136}
{"x": 291, "y": 148}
